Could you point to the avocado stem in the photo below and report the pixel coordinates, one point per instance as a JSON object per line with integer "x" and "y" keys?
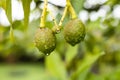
{"x": 53, "y": 18}
{"x": 71, "y": 9}
{"x": 57, "y": 27}
{"x": 64, "y": 14}
{"x": 44, "y": 13}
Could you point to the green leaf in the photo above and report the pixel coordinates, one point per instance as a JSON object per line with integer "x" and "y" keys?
{"x": 71, "y": 53}
{"x": 11, "y": 34}
{"x": 3, "y": 3}
{"x": 26, "y": 8}
{"x": 112, "y": 2}
{"x": 86, "y": 64}
{"x": 8, "y": 9}
{"x": 6, "y": 4}
{"x": 95, "y": 77}
{"x": 77, "y": 5}
{"x": 55, "y": 66}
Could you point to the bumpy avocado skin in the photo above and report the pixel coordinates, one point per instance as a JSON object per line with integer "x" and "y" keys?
{"x": 45, "y": 40}
{"x": 74, "y": 32}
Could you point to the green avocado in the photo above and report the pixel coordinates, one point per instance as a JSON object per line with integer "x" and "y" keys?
{"x": 45, "y": 40}
{"x": 74, "y": 32}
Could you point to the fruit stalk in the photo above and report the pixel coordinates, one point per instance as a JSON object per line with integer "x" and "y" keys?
{"x": 43, "y": 17}
{"x": 71, "y": 9}
{"x": 57, "y": 28}
{"x": 64, "y": 14}
{"x": 53, "y": 19}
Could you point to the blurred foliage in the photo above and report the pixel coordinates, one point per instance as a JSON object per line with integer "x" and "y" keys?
{"x": 96, "y": 58}
{"x": 26, "y": 8}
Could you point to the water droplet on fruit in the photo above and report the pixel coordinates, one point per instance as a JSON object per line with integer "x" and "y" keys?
{"x": 47, "y": 54}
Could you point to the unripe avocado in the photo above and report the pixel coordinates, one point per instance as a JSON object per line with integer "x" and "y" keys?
{"x": 45, "y": 40}
{"x": 74, "y": 32}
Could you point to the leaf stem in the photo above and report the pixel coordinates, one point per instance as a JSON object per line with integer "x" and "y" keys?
{"x": 43, "y": 17}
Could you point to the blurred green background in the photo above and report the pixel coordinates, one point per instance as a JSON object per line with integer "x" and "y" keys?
{"x": 96, "y": 58}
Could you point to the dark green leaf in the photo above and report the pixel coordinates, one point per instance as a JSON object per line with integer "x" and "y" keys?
{"x": 86, "y": 64}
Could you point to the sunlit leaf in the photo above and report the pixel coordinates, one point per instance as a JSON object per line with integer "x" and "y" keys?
{"x": 71, "y": 53}
{"x": 55, "y": 66}
{"x": 3, "y": 3}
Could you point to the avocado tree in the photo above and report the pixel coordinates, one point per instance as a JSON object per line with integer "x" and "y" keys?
{"x": 80, "y": 42}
